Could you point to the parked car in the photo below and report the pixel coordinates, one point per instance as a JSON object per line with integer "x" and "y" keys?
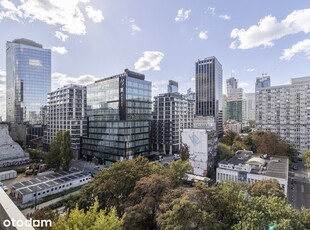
{"x": 176, "y": 156}
{"x": 4, "y": 187}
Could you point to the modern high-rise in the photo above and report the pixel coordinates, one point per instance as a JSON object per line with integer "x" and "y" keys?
{"x": 236, "y": 105}
{"x": 250, "y": 106}
{"x": 209, "y": 92}
{"x": 66, "y": 111}
{"x": 262, "y": 82}
{"x": 173, "y": 87}
{"x": 231, "y": 84}
{"x": 118, "y": 118}
{"x": 285, "y": 110}
{"x": 28, "y": 80}
{"x": 172, "y": 113}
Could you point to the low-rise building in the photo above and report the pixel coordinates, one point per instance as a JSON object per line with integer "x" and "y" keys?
{"x": 42, "y": 186}
{"x": 245, "y": 166}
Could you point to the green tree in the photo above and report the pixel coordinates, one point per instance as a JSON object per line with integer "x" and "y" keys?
{"x": 266, "y": 188}
{"x": 144, "y": 201}
{"x": 229, "y": 138}
{"x": 306, "y": 158}
{"x": 179, "y": 168}
{"x": 222, "y": 200}
{"x": 113, "y": 186}
{"x": 185, "y": 215}
{"x": 91, "y": 220}
{"x": 223, "y": 152}
{"x": 35, "y": 154}
{"x": 66, "y": 151}
{"x": 184, "y": 151}
{"x": 261, "y": 212}
{"x": 60, "y": 153}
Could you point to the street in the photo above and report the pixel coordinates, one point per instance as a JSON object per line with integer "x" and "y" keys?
{"x": 86, "y": 166}
{"x": 299, "y": 186}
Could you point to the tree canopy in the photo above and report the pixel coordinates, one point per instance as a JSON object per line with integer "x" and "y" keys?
{"x": 60, "y": 153}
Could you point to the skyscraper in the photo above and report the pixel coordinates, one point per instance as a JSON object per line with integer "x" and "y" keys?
{"x": 28, "y": 80}
{"x": 172, "y": 87}
{"x": 236, "y": 105}
{"x": 209, "y": 92}
{"x": 262, "y": 82}
{"x": 118, "y": 118}
{"x": 231, "y": 84}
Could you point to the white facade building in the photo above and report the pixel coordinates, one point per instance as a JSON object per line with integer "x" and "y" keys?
{"x": 66, "y": 111}
{"x": 39, "y": 187}
{"x": 202, "y": 145}
{"x": 248, "y": 167}
{"x": 285, "y": 110}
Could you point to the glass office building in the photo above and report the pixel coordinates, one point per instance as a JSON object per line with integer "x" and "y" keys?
{"x": 118, "y": 116}
{"x": 209, "y": 90}
{"x": 28, "y": 80}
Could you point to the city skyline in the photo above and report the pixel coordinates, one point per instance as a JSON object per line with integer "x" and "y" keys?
{"x": 94, "y": 39}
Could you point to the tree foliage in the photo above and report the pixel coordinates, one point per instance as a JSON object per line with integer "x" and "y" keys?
{"x": 261, "y": 212}
{"x": 178, "y": 170}
{"x": 60, "y": 153}
{"x": 113, "y": 186}
{"x": 35, "y": 154}
{"x": 184, "y": 151}
{"x": 223, "y": 151}
{"x": 229, "y": 138}
{"x": 306, "y": 158}
{"x": 91, "y": 220}
{"x": 144, "y": 201}
{"x": 266, "y": 188}
{"x": 185, "y": 215}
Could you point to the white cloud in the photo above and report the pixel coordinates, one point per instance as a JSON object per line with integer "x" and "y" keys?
{"x": 182, "y": 15}
{"x": 63, "y": 37}
{"x": 95, "y": 15}
{"x": 224, "y": 17}
{"x": 150, "y": 60}
{"x": 134, "y": 29}
{"x": 299, "y": 47}
{"x": 65, "y": 15}
{"x": 60, "y": 79}
{"x": 250, "y": 70}
{"x": 60, "y": 50}
{"x": 211, "y": 10}
{"x": 11, "y": 12}
{"x": 243, "y": 85}
{"x": 203, "y": 35}
{"x": 269, "y": 29}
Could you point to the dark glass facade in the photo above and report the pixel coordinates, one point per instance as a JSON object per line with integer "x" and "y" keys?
{"x": 209, "y": 90}
{"x": 28, "y": 80}
{"x": 118, "y": 116}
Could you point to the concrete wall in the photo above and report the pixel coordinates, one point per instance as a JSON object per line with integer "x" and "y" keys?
{"x": 9, "y": 211}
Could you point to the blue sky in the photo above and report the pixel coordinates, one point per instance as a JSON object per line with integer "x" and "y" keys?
{"x": 163, "y": 39}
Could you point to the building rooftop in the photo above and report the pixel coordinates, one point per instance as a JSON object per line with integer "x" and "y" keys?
{"x": 264, "y": 164}
{"x": 27, "y": 42}
{"x": 47, "y": 181}
{"x": 127, "y": 73}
